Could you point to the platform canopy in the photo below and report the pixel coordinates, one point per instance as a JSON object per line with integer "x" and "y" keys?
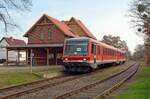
{"x": 33, "y": 46}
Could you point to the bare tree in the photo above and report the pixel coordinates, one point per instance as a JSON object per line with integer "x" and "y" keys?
{"x": 140, "y": 18}
{"x": 139, "y": 53}
{"x": 6, "y": 6}
{"x": 115, "y": 41}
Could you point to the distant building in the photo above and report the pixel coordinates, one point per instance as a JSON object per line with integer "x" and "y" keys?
{"x": 10, "y": 41}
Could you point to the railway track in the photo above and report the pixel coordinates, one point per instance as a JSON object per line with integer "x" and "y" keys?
{"x": 21, "y": 90}
{"x": 14, "y": 91}
{"x": 99, "y": 89}
{"x": 66, "y": 89}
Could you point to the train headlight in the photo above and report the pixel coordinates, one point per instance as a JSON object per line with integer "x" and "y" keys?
{"x": 84, "y": 59}
{"x": 66, "y": 59}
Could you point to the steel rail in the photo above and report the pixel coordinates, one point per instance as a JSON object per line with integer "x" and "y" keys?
{"x": 22, "y": 92}
{"x": 76, "y": 91}
{"x": 108, "y": 91}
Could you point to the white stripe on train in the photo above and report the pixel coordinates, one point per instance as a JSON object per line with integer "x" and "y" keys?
{"x": 97, "y": 61}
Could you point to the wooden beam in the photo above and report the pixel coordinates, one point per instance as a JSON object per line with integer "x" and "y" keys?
{"x": 27, "y": 57}
{"x": 6, "y": 56}
{"x": 31, "y": 60}
{"x": 47, "y": 56}
{"x": 56, "y": 56}
{"x": 18, "y": 56}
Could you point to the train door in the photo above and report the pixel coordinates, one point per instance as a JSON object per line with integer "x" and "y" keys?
{"x": 94, "y": 54}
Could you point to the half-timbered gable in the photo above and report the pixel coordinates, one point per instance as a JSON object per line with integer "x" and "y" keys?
{"x": 78, "y": 27}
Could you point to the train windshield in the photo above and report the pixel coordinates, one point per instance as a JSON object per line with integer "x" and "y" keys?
{"x": 76, "y": 47}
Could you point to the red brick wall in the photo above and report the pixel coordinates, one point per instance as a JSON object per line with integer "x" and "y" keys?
{"x": 56, "y": 37}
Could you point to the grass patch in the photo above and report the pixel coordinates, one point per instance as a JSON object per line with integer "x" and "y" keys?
{"x": 17, "y": 75}
{"x": 139, "y": 89}
{"x": 16, "y": 78}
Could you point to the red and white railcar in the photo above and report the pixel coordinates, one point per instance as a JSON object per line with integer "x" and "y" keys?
{"x": 83, "y": 54}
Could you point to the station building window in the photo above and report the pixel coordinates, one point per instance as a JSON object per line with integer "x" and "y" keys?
{"x": 49, "y": 33}
{"x": 42, "y": 36}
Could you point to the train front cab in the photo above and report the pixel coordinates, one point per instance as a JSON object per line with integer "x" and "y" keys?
{"x": 79, "y": 55}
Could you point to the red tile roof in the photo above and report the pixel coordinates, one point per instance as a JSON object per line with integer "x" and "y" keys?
{"x": 61, "y": 25}
{"x": 13, "y": 42}
{"x": 83, "y": 27}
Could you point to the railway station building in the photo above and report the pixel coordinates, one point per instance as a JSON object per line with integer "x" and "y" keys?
{"x": 46, "y": 38}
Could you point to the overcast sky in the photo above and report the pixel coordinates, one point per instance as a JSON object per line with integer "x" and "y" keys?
{"x": 101, "y": 17}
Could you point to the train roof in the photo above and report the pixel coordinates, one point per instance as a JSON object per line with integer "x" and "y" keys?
{"x": 101, "y": 43}
{"x": 78, "y": 38}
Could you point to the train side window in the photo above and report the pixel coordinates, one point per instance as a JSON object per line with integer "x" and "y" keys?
{"x": 114, "y": 53}
{"x": 106, "y": 51}
{"x": 92, "y": 50}
{"x": 103, "y": 51}
{"x": 110, "y": 52}
{"x": 98, "y": 50}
